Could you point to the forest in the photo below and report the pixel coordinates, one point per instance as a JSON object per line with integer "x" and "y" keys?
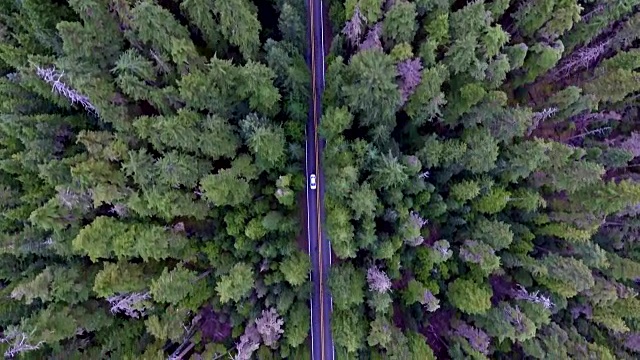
{"x": 482, "y": 175}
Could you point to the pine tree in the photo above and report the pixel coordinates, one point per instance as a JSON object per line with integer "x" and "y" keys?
{"x": 295, "y": 268}
{"x": 237, "y": 284}
{"x": 374, "y": 70}
{"x": 238, "y": 20}
{"x": 399, "y": 23}
{"x": 469, "y": 297}
{"x": 347, "y": 287}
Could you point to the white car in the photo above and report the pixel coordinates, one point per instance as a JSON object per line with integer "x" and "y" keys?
{"x": 312, "y": 181}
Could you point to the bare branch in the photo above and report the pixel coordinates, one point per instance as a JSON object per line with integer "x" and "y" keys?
{"x": 581, "y": 59}
{"x": 410, "y": 72}
{"x": 249, "y": 342}
{"x": 131, "y": 304}
{"x": 181, "y": 351}
{"x": 119, "y": 209}
{"x": 430, "y": 302}
{"x": 632, "y": 144}
{"x": 595, "y": 11}
{"x": 522, "y": 294}
{"x": 586, "y": 118}
{"x": 70, "y": 199}
{"x": 596, "y": 131}
{"x": 353, "y": 27}
{"x": 416, "y": 222}
{"x": 18, "y": 342}
{"x": 378, "y": 280}
{"x": 424, "y": 175}
{"x": 477, "y": 338}
{"x": 53, "y": 77}
{"x": 372, "y": 41}
{"x": 269, "y": 325}
{"x": 541, "y": 116}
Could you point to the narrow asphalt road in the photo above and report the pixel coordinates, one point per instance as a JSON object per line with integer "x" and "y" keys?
{"x": 319, "y": 245}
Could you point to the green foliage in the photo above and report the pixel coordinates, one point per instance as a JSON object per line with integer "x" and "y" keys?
{"x": 389, "y": 172}
{"x": 238, "y": 23}
{"x": 469, "y": 297}
{"x": 173, "y": 286}
{"x": 347, "y": 287}
{"x": 461, "y": 56}
{"x": 540, "y": 58}
{"x": 480, "y": 254}
{"x": 461, "y": 102}
{"x": 497, "y": 234}
{"x": 106, "y": 237}
{"x": 266, "y": 141}
{"x": 380, "y": 333}
{"x": 438, "y": 28}
{"x": 465, "y": 190}
{"x": 237, "y": 284}
{"x": 531, "y": 17}
{"x": 425, "y": 103}
{"x": 482, "y": 151}
{"x": 493, "y": 201}
{"x": 120, "y": 278}
{"x": 167, "y": 326}
{"x": 297, "y": 324}
{"x": 349, "y": 330}
{"x": 613, "y": 85}
{"x": 373, "y": 70}
{"x": 341, "y": 231}
{"x": 151, "y": 178}
{"x": 565, "y": 275}
{"x": 493, "y": 40}
{"x": 226, "y": 188}
{"x": 399, "y": 23}
{"x": 295, "y": 268}
{"x": 507, "y": 322}
{"x": 419, "y": 348}
{"x": 210, "y": 136}
{"x": 370, "y": 9}
{"x": 334, "y": 122}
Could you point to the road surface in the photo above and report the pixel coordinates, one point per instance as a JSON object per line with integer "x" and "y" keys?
{"x": 319, "y": 246}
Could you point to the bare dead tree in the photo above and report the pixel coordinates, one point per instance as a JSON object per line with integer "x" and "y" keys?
{"x": 595, "y": 131}
{"x": 54, "y": 78}
{"x": 378, "y": 280}
{"x": 183, "y": 349}
{"x": 131, "y": 304}
{"x": 248, "y": 344}
{"x": 522, "y": 294}
{"x": 581, "y": 59}
{"x": 477, "y": 338}
{"x": 587, "y": 118}
{"x": 410, "y": 72}
{"x": 540, "y": 116}
{"x": 417, "y": 222}
{"x": 353, "y": 29}
{"x": 372, "y": 41}
{"x": 632, "y": 144}
{"x": 595, "y": 11}
{"x": 269, "y": 326}
{"x": 71, "y": 199}
{"x": 119, "y": 209}
{"x": 430, "y": 302}
{"x": 18, "y": 342}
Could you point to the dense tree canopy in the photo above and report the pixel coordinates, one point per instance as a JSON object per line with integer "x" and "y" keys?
{"x": 150, "y": 153}
{"x": 480, "y": 167}
{"x": 482, "y": 156}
